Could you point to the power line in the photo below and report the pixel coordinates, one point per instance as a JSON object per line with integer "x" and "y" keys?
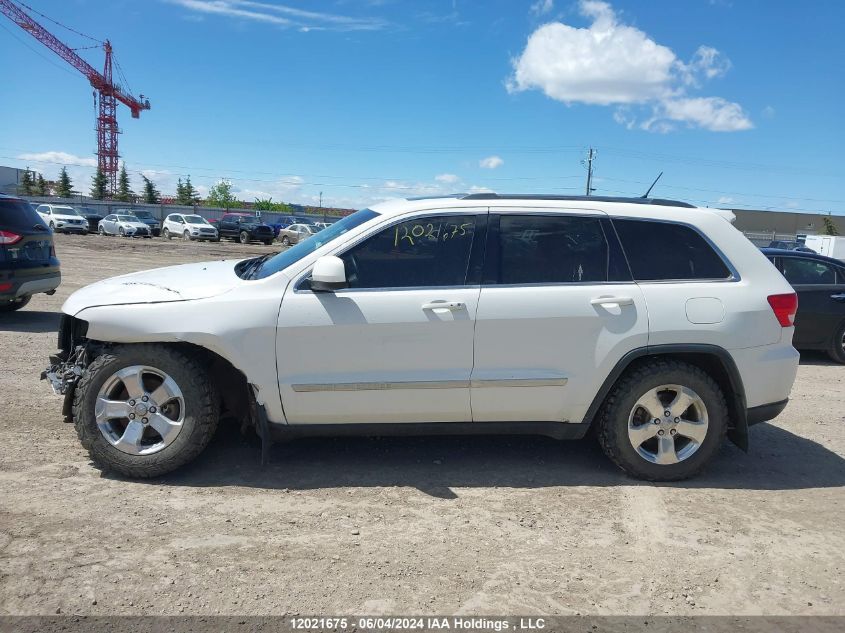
{"x": 48, "y": 18}
{"x": 37, "y": 52}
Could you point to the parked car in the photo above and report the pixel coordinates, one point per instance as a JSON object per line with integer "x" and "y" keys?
{"x": 123, "y": 225}
{"x": 820, "y": 284}
{"x": 188, "y": 227}
{"x": 322, "y": 225}
{"x": 244, "y": 228}
{"x": 653, "y": 321}
{"x": 295, "y": 233}
{"x": 789, "y": 245}
{"x": 144, "y": 216}
{"x": 92, "y": 216}
{"x": 28, "y": 263}
{"x": 62, "y": 218}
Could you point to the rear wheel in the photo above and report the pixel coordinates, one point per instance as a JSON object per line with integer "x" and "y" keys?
{"x": 837, "y": 348}
{"x": 663, "y": 421}
{"x": 268, "y": 242}
{"x": 285, "y": 240}
{"x": 145, "y": 410}
{"x": 14, "y": 304}
{"x": 244, "y": 237}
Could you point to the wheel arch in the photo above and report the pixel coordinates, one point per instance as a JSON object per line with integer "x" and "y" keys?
{"x": 714, "y": 360}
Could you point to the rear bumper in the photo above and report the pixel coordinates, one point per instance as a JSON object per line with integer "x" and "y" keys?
{"x": 32, "y": 285}
{"x": 766, "y": 412}
{"x": 767, "y": 372}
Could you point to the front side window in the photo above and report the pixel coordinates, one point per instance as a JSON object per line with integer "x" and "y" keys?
{"x": 807, "y": 272}
{"x": 425, "y": 251}
{"x": 551, "y": 249}
{"x": 663, "y": 251}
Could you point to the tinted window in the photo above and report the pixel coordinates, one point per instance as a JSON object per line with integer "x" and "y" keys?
{"x": 551, "y": 249}
{"x": 428, "y": 251}
{"x": 18, "y": 214}
{"x": 807, "y": 271}
{"x": 665, "y": 251}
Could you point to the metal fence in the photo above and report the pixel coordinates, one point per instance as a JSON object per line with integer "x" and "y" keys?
{"x": 160, "y": 211}
{"x": 764, "y": 238}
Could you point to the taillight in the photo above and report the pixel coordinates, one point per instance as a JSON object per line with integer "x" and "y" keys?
{"x": 7, "y": 237}
{"x": 6, "y": 286}
{"x": 784, "y": 307}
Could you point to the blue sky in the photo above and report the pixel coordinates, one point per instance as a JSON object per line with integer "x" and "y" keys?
{"x": 739, "y": 102}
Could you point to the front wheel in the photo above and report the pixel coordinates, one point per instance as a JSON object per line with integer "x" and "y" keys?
{"x": 663, "y": 421}
{"x": 165, "y": 234}
{"x": 244, "y": 237}
{"x": 837, "y": 348}
{"x": 101, "y": 230}
{"x": 145, "y": 410}
{"x": 186, "y": 236}
{"x": 121, "y": 232}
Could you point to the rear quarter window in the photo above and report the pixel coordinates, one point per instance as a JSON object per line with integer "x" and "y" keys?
{"x": 665, "y": 251}
{"x": 18, "y": 214}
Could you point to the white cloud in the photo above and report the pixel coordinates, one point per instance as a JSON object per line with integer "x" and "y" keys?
{"x": 611, "y": 63}
{"x": 725, "y": 200}
{"x": 542, "y": 7}
{"x": 491, "y": 162}
{"x": 281, "y": 15}
{"x": 59, "y": 158}
{"x": 477, "y": 189}
{"x": 447, "y": 178}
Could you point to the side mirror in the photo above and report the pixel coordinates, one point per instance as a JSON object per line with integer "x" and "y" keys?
{"x": 328, "y": 274}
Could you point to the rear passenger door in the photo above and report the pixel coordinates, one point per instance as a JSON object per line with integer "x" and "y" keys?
{"x": 557, "y": 311}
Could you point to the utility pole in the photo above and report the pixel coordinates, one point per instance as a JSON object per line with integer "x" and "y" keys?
{"x": 591, "y": 156}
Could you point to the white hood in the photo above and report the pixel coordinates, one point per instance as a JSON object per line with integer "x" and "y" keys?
{"x": 174, "y": 283}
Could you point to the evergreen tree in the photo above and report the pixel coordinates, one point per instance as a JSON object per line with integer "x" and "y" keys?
{"x": 99, "y": 184}
{"x": 829, "y": 226}
{"x": 191, "y": 194}
{"x": 180, "y": 193}
{"x": 26, "y": 185}
{"x": 65, "y": 187}
{"x": 41, "y": 188}
{"x": 151, "y": 195}
{"x": 124, "y": 192}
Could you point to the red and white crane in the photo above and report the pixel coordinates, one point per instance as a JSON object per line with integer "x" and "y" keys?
{"x": 108, "y": 93}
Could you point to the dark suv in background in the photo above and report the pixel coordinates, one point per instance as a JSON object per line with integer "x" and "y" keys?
{"x": 28, "y": 263}
{"x": 245, "y": 228}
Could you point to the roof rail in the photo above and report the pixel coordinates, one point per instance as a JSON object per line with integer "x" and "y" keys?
{"x": 510, "y": 196}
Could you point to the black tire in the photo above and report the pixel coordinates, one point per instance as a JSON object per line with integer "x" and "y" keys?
{"x": 613, "y": 419}
{"x": 15, "y": 304}
{"x": 121, "y": 232}
{"x": 186, "y": 236}
{"x": 837, "y": 347}
{"x": 166, "y": 234}
{"x": 201, "y": 416}
{"x": 268, "y": 242}
{"x": 285, "y": 240}
{"x": 101, "y": 230}
{"x": 244, "y": 237}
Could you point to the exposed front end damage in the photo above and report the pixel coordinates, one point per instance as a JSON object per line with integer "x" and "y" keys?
{"x": 74, "y": 354}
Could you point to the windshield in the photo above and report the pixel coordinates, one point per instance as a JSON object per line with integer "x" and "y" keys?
{"x": 195, "y": 219}
{"x": 144, "y": 214}
{"x": 126, "y": 218}
{"x": 292, "y": 255}
{"x": 64, "y": 211}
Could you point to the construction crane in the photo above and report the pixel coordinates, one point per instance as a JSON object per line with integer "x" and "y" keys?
{"x": 107, "y": 92}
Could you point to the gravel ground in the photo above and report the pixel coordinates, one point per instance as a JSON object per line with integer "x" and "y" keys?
{"x": 435, "y": 525}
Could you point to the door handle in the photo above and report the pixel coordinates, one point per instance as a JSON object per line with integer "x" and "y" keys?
{"x": 839, "y": 297}
{"x": 444, "y": 305}
{"x": 612, "y": 301}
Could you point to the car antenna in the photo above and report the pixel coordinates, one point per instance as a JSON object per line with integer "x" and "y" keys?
{"x": 645, "y": 195}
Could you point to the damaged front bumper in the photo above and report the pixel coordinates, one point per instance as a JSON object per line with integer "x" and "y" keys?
{"x": 68, "y": 364}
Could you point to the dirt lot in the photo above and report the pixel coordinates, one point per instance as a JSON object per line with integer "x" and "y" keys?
{"x": 441, "y": 525}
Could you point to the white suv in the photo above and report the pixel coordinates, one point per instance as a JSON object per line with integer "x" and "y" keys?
{"x": 653, "y": 321}
{"x": 189, "y": 227}
{"x": 60, "y": 217}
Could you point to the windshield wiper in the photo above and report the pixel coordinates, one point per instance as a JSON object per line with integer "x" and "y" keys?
{"x": 252, "y": 268}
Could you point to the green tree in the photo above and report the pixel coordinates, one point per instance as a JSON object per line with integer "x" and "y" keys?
{"x": 65, "y": 186}
{"x": 220, "y": 195}
{"x": 99, "y": 185}
{"x": 124, "y": 191}
{"x": 151, "y": 195}
{"x": 829, "y": 226}
{"x": 191, "y": 194}
{"x": 26, "y": 185}
{"x": 180, "y": 192}
{"x": 41, "y": 188}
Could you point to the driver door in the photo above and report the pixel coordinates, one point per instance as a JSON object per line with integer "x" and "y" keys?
{"x": 397, "y": 344}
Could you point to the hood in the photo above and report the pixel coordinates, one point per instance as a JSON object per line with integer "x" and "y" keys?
{"x": 136, "y": 223}
{"x": 64, "y": 217}
{"x": 173, "y": 283}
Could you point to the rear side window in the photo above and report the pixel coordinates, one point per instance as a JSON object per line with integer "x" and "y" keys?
{"x": 428, "y": 251}
{"x": 662, "y": 251}
{"x": 551, "y": 249}
{"x": 18, "y": 214}
{"x": 807, "y": 272}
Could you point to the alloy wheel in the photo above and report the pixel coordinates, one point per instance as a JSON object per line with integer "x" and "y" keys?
{"x": 140, "y": 410}
{"x": 668, "y": 424}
